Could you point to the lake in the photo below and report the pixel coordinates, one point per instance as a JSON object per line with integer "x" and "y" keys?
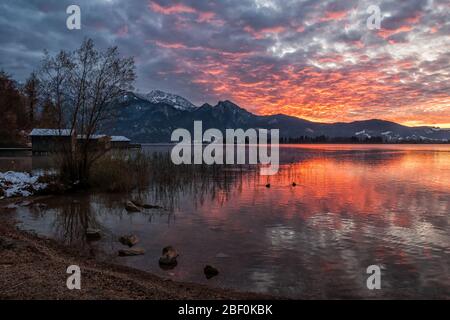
{"x": 353, "y": 206}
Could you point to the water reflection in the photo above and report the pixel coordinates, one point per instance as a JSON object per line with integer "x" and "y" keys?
{"x": 22, "y": 161}
{"x": 72, "y": 221}
{"x": 353, "y": 206}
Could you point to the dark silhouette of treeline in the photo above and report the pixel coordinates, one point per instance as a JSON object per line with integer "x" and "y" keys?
{"x": 350, "y": 140}
{"x": 22, "y": 107}
{"x": 325, "y": 139}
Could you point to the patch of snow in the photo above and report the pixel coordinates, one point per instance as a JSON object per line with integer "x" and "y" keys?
{"x": 19, "y": 184}
{"x": 92, "y": 136}
{"x": 119, "y": 139}
{"x": 363, "y": 133}
{"x": 180, "y": 103}
{"x": 49, "y": 132}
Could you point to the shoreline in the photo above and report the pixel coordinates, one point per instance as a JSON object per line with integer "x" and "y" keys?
{"x": 34, "y": 267}
{"x": 164, "y": 144}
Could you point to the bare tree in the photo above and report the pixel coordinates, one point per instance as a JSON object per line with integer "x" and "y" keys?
{"x": 48, "y": 116}
{"x": 82, "y": 85}
{"x": 31, "y": 92}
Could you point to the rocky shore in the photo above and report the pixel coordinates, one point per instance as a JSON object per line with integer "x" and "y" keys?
{"x": 33, "y": 267}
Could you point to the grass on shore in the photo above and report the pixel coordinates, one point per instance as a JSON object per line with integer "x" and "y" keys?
{"x": 125, "y": 171}
{"x": 120, "y": 172}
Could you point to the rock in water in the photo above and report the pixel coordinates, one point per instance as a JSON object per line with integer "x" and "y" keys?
{"x": 169, "y": 257}
{"x": 26, "y": 203}
{"x": 131, "y": 207}
{"x": 136, "y": 202}
{"x": 150, "y": 206}
{"x": 210, "y": 272}
{"x": 93, "y": 234}
{"x": 40, "y": 205}
{"x": 131, "y": 252}
{"x": 129, "y": 240}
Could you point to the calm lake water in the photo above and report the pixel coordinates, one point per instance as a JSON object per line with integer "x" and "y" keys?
{"x": 353, "y": 206}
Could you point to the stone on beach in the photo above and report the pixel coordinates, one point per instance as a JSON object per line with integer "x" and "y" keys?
{"x": 131, "y": 207}
{"x": 93, "y": 234}
{"x": 169, "y": 257}
{"x": 7, "y": 244}
{"x": 131, "y": 252}
{"x": 129, "y": 240}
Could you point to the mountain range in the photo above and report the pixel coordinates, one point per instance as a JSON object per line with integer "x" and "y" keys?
{"x": 152, "y": 117}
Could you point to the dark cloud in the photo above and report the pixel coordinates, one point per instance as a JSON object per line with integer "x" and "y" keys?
{"x": 315, "y": 59}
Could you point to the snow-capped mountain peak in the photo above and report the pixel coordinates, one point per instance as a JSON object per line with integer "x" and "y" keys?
{"x": 158, "y": 96}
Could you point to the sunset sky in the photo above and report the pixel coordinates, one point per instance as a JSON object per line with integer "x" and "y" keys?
{"x": 313, "y": 59}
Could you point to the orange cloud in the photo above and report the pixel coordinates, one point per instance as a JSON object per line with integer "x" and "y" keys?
{"x": 329, "y": 86}
{"x": 385, "y": 33}
{"x": 174, "y": 9}
{"x": 334, "y": 15}
{"x": 324, "y": 95}
{"x": 169, "y": 45}
{"x": 177, "y": 9}
{"x": 260, "y": 34}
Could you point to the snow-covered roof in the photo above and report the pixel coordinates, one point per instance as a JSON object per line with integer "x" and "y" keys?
{"x": 119, "y": 139}
{"x": 66, "y": 132}
{"x": 49, "y": 132}
{"x": 93, "y": 136}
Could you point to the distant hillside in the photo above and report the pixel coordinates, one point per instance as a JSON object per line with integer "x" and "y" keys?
{"x": 152, "y": 118}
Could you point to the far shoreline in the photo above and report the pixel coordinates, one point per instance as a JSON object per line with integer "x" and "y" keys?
{"x": 164, "y": 144}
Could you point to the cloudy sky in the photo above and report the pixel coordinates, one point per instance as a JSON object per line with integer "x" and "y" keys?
{"x": 313, "y": 59}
